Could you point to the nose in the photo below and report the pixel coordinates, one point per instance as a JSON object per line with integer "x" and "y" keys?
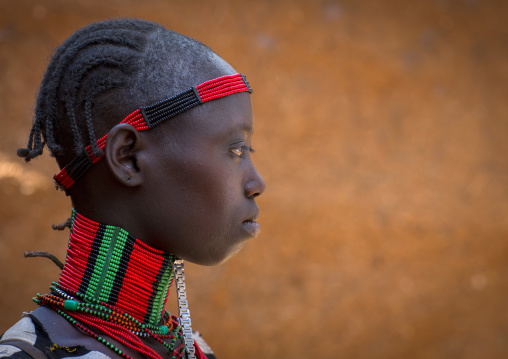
{"x": 255, "y": 184}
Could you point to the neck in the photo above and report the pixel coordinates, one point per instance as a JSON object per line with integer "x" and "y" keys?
{"x": 106, "y": 263}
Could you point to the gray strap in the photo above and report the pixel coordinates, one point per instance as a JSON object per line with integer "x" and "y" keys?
{"x": 25, "y": 347}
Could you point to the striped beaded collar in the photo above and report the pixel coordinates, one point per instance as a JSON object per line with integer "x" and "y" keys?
{"x": 107, "y": 264}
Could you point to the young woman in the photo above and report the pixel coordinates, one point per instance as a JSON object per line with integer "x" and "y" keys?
{"x": 152, "y": 132}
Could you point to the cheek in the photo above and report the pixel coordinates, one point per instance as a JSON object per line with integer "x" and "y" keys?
{"x": 217, "y": 188}
{"x": 209, "y": 183}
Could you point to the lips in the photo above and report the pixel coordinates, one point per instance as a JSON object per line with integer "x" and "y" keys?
{"x": 251, "y": 226}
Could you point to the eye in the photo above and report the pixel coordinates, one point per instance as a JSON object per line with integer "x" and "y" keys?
{"x": 240, "y": 151}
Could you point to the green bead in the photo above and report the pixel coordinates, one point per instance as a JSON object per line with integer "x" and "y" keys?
{"x": 164, "y": 329}
{"x": 71, "y": 305}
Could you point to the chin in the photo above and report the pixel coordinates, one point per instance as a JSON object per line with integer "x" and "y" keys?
{"x": 214, "y": 258}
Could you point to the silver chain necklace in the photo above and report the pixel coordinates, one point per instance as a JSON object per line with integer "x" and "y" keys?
{"x": 183, "y": 309}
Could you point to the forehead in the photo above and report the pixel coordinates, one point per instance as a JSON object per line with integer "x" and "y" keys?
{"x": 219, "y": 119}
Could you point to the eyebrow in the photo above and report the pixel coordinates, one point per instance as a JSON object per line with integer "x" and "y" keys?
{"x": 243, "y": 128}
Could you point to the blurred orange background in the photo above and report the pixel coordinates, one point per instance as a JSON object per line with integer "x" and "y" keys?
{"x": 382, "y": 134}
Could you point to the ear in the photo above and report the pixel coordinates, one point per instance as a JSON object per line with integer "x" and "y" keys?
{"x": 123, "y": 145}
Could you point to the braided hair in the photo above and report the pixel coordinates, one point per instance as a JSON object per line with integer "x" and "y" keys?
{"x": 98, "y": 75}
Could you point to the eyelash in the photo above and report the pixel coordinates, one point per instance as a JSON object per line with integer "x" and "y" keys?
{"x": 240, "y": 151}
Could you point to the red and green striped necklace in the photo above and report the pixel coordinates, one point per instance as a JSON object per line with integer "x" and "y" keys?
{"x": 115, "y": 284}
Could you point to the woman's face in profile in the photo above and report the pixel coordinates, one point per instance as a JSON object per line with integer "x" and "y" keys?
{"x": 201, "y": 198}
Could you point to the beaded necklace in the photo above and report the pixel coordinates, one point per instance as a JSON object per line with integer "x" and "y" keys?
{"x": 118, "y": 285}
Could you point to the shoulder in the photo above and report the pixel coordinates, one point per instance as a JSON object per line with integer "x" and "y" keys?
{"x": 203, "y": 346}
{"x": 28, "y": 339}
{"x": 45, "y": 334}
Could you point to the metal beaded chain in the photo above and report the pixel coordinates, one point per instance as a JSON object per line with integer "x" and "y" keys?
{"x": 183, "y": 308}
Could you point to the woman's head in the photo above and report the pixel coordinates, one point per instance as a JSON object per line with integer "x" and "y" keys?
{"x": 122, "y": 62}
{"x": 186, "y": 186}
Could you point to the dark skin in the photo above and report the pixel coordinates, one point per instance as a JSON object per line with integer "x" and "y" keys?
{"x": 190, "y": 192}
{"x": 187, "y": 187}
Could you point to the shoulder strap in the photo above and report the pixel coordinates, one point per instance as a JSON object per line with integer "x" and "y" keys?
{"x": 25, "y": 347}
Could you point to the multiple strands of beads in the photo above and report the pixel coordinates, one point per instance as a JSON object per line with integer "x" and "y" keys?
{"x": 147, "y": 117}
{"x": 89, "y": 315}
{"x": 115, "y": 284}
{"x": 106, "y": 263}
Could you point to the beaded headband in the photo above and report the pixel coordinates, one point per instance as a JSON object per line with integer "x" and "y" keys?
{"x": 148, "y": 117}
